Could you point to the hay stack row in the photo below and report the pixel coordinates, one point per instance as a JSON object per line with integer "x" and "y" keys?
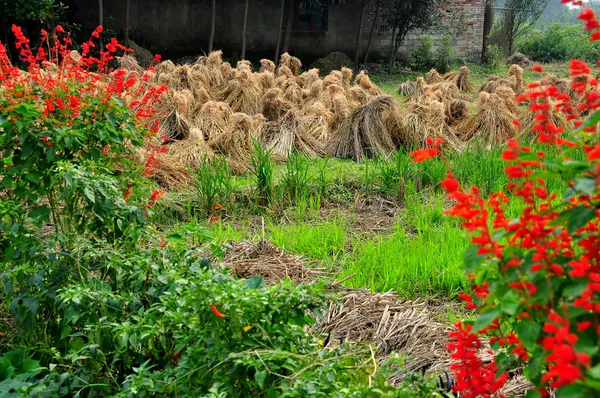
{"x": 491, "y": 120}
{"x": 213, "y": 109}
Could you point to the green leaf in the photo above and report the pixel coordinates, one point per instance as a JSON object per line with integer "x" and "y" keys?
{"x": 260, "y": 377}
{"x": 579, "y": 217}
{"x": 591, "y": 121}
{"x": 471, "y": 259}
{"x": 572, "y": 391}
{"x": 65, "y": 331}
{"x": 528, "y": 332}
{"x": 576, "y": 288}
{"x": 257, "y": 282}
{"x": 69, "y": 177}
{"x": 595, "y": 372}
{"x": 89, "y": 193}
{"x": 510, "y": 302}
{"x": 585, "y": 185}
{"x": 486, "y": 319}
{"x": 41, "y": 213}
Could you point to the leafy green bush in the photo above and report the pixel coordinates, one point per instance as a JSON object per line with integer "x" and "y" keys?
{"x": 559, "y": 42}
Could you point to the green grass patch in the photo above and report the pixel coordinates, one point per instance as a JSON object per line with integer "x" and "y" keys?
{"x": 325, "y": 242}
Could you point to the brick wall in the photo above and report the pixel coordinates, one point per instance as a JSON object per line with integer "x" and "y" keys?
{"x": 469, "y": 13}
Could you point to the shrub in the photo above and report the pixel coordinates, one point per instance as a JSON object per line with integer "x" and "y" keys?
{"x": 535, "y": 277}
{"x": 559, "y": 42}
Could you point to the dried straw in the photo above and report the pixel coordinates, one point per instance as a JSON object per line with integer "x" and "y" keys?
{"x": 492, "y": 123}
{"x": 364, "y": 133}
{"x": 433, "y": 76}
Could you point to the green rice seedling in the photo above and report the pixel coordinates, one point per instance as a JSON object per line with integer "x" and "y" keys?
{"x": 369, "y": 174}
{"x": 395, "y": 171}
{"x": 430, "y": 173}
{"x": 481, "y": 168}
{"x": 426, "y": 264}
{"x": 261, "y": 169}
{"x": 324, "y": 242}
{"x": 297, "y": 180}
{"x": 214, "y": 184}
{"x": 322, "y": 179}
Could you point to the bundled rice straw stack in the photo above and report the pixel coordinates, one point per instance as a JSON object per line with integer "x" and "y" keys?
{"x": 492, "y": 123}
{"x": 461, "y": 79}
{"x": 364, "y": 133}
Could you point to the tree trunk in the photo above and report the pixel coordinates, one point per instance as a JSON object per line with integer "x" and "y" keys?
{"x": 244, "y": 29}
{"x": 288, "y": 27}
{"x": 126, "y": 23}
{"x": 488, "y": 21}
{"x": 279, "y": 31}
{"x": 7, "y": 46}
{"x": 359, "y": 34}
{"x": 372, "y": 31}
{"x": 392, "y": 48}
{"x": 213, "y": 22}
{"x": 101, "y": 21}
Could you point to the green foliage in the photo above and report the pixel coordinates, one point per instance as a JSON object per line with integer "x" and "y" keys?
{"x": 426, "y": 56}
{"x": 261, "y": 169}
{"x": 214, "y": 185}
{"x": 494, "y": 57}
{"x": 297, "y": 180}
{"x": 559, "y": 42}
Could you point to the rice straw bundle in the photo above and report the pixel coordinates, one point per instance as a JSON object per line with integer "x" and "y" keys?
{"x": 419, "y": 90}
{"x": 508, "y": 95}
{"x": 290, "y": 135}
{"x": 266, "y": 65}
{"x": 130, "y": 63}
{"x": 308, "y": 78}
{"x": 358, "y": 96}
{"x": 165, "y": 67}
{"x": 517, "y": 72}
{"x": 461, "y": 79}
{"x": 317, "y": 121}
{"x": 364, "y": 132}
{"x": 293, "y": 93}
{"x": 457, "y": 110}
{"x": 407, "y": 88}
{"x": 494, "y": 82}
{"x": 492, "y": 123}
{"x": 447, "y": 90}
{"x": 556, "y": 117}
{"x": 244, "y": 64}
{"x": 176, "y": 112}
{"x": 346, "y": 76}
{"x": 213, "y": 119}
{"x": 433, "y": 76}
{"x": 426, "y": 120}
{"x": 293, "y": 63}
{"x": 284, "y": 72}
{"x": 363, "y": 80}
{"x": 236, "y": 142}
{"x": 332, "y": 79}
{"x": 242, "y": 93}
{"x": 274, "y": 106}
{"x": 266, "y": 80}
{"x": 191, "y": 153}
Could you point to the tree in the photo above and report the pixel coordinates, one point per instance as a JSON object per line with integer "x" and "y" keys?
{"x": 359, "y": 33}
{"x": 291, "y": 15}
{"x": 279, "y": 30}
{"x": 373, "y": 25}
{"x": 36, "y": 14}
{"x": 519, "y": 16}
{"x": 244, "y": 29}
{"x": 127, "y": 23}
{"x": 404, "y": 16}
{"x": 213, "y": 22}
{"x": 101, "y": 19}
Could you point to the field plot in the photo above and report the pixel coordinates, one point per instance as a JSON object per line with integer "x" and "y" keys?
{"x": 210, "y": 230}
